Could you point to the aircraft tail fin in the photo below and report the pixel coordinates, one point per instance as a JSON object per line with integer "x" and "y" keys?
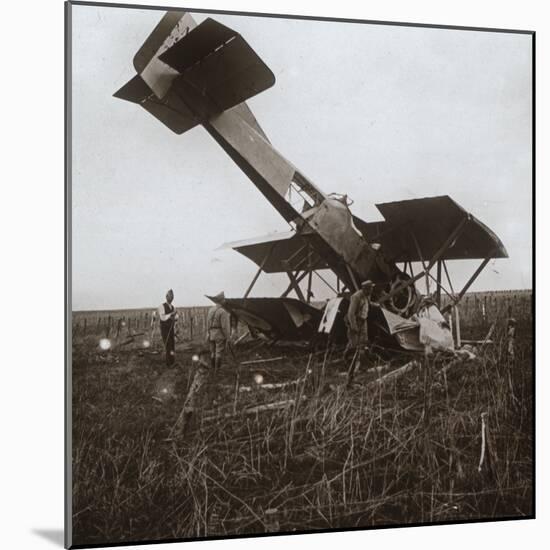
{"x": 188, "y": 73}
{"x": 173, "y": 26}
{"x": 216, "y": 62}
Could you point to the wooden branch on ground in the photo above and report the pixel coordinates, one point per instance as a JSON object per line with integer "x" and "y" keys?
{"x": 395, "y": 373}
{"x": 241, "y": 337}
{"x": 270, "y": 386}
{"x": 258, "y": 361}
{"x": 259, "y": 408}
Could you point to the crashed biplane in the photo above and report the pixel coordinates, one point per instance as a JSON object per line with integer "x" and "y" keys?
{"x": 190, "y": 75}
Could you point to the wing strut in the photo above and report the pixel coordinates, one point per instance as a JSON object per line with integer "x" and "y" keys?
{"x": 449, "y": 241}
{"x": 264, "y": 261}
{"x": 468, "y": 284}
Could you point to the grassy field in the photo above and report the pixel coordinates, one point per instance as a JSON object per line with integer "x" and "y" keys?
{"x": 385, "y": 451}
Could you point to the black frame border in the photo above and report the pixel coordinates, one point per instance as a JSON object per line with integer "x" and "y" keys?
{"x": 68, "y": 266}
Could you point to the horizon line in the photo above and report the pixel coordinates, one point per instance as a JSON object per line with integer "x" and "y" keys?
{"x": 501, "y": 291}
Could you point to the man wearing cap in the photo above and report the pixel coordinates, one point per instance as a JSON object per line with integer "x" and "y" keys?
{"x": 218, "y": 331}
{"x": 168, "y": 316}
{"x": 358, "y": 312}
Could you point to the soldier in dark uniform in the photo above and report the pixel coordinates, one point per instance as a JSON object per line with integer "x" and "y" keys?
{"x": 358, "y": 336}
{"x": 168, "y": 316}
{"x": 358, "y": 312}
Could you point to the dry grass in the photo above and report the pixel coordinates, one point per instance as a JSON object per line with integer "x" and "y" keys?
{"x": 402, "y": 452}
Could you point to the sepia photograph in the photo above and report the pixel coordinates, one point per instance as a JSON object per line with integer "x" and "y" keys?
{"x": 300, "y": 274}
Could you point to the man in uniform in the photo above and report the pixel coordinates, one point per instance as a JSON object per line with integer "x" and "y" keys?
{"x": 168, "y": 316}
{"x": 218, "y": 331}
{"x": 356, "y": 321}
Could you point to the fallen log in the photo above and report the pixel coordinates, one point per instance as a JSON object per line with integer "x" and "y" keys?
{"x": 379, "y": 368}
{"x": 271, "y": 406}
{"x": 270, "y": 386}
{"x": 259, "y": 408}
{"x": 395, "y": 373}
{"x": 461, "y": 359}
{"x": 276, "y": 385}
{"x": 258, "y": 361}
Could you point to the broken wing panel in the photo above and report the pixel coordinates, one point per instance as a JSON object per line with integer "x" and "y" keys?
{"x": 434, "y": 330}
{"x": 428, "y": 328}
{"x": 298, "y": 315}
{"x": 431, "y": 220}
{"x": 276, "y": 318}
{"x": 396, "y": 323}
{"x": 329, "y": 315}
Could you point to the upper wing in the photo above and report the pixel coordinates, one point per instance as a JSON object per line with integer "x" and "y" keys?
{"x": 281, "y": 252}
{"x": 415, "y": 230}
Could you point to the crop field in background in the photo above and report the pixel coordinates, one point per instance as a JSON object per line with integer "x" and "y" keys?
{"x": 477, "y": 311}
{"x": 385, "y": 451}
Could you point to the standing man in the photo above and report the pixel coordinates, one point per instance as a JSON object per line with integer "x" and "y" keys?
{"x": 168, "y": 316}
{"x": 358, "y": 336}
{"x": 218, "y": 331}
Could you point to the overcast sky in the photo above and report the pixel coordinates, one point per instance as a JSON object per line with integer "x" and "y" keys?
{"x": 379, "y": 112}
